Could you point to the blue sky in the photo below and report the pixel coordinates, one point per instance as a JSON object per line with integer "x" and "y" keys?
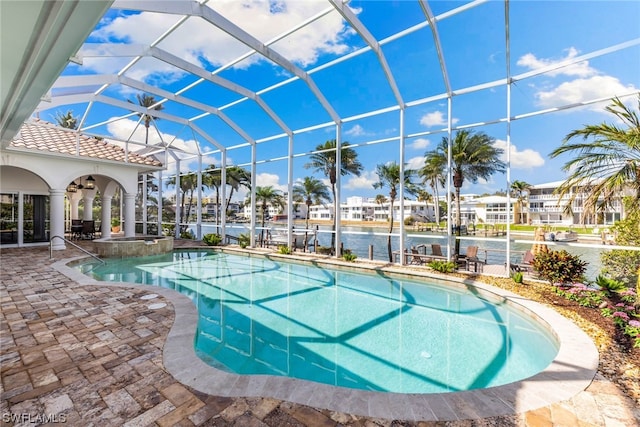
{"x": 542, "y": 33}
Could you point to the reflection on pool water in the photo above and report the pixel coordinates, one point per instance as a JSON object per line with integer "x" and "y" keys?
{"x": 358, "y": 330}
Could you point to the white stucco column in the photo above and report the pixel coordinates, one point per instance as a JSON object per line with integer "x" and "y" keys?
{"x": 56, "y": 221}
{"x": 87, "y": 213}
{"x": 74, "y": 201}
{"x": 129, "y": 214}
{"x": 105, "y": 221}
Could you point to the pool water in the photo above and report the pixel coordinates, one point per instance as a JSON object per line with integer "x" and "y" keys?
{"x": 358, "y": 330}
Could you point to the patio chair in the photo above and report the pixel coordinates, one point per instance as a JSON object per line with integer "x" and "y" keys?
{"x": 76, "y": 229}
{"x": 416, "y": 259}
{"x": 525, "y": 265}
{"x": 471, "y": 257}
{"x": 436, "y": 250}
{"x": 88, "y": 229}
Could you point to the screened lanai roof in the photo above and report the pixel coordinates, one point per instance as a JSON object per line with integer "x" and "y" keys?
{"x": 284, "y": 76}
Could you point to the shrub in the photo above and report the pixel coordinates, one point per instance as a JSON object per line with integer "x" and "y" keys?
{"x": 244, "y": 240}
{"x": 187, "y": 235}
{"x": 559, "y": 267}
{"x": 620, "y": 264}
{"x": 518, "y": 277}
{"x": 284, "y": 250}
{"x": 212, "y": 239}
{"x": 442, "y": 266}
{"x": 348, "y": 256}
{"x": 324, "y": 250}
{"x": 609, "y": 285}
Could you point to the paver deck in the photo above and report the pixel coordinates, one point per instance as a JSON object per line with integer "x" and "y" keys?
{"x": 93, "y": 355}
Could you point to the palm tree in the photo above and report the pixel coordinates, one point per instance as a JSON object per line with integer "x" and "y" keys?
{"x": 521, "y": 190}
{"x": 426, "y": 197}
{"x": 325, "y": 161}
{"x": 237, "y": 177}
{"x": 188, "y": 186}
{"x": 147, "y": 101}
{"x": 266, "y": 196}
{"x": 68, "y": 120}
{"x": 381, "y": 199}
{"x": 389, "y": 176}
{"x": 212, "y": 179}
{"x": 609, "y": 165}
{"x": 311, "y": 191}
{"x": 433, "y": 173}
{"x": 473, "y": 156}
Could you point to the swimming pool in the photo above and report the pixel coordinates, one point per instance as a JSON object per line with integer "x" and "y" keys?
{"x": 357, "y": 330}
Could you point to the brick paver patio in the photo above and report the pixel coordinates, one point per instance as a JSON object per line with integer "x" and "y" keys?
{"x": 92, "y": 355}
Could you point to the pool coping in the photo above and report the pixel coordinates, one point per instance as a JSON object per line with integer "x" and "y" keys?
{"x": 571, "y": 372}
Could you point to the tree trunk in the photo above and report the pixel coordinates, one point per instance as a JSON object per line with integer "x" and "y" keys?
{"x": 390, "y": 252}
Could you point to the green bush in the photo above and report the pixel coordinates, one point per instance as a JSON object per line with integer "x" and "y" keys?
{"x": 609, "y": 285}
{"x": 559, "y": 267}
{"x": 244, "y": 240}
{"x": 348, "y": 256}
{"x": 620, "y": 264}
{"x": 518, "y": 277}
{"x": 442, "y": 266}
{"x": 284, "y": 250}
{"x": 212, "y": 239}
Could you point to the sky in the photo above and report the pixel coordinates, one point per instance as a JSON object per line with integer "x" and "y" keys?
{"x": 543, "y": 35}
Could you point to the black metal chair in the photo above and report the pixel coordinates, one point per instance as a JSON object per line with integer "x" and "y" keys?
{"x": 76, "y": 229}
{"x": 88, "y": 229}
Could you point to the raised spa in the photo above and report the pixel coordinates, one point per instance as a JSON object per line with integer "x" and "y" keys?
{"x": 358, "y": 330}
{"x": 138, "y": 246}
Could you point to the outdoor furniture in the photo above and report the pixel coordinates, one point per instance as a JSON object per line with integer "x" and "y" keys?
{"x": 525, "y": 265}
{"x": 471, "y": 258}
{"x": 88, "y": 229}
{"x": 76, "y": 229}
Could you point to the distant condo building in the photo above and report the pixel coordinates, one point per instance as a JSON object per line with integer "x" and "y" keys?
{"x": 542, "y": 206}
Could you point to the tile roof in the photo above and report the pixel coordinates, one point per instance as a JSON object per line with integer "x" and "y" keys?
{"x": 44, "y": 136}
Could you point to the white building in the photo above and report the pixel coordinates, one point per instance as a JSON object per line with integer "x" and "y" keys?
{"x": 546, "y": 207}
{"x": 358, "y": 208}
{"x": 483, "y": 210}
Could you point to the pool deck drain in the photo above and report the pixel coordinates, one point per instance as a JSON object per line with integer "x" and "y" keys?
{"x": 97, "y": 352}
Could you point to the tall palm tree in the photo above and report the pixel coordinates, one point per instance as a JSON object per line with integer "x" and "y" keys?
{"x": 426, "y": 197}
{"x": 434, "y": 173}
{"x": 607, "y": 166}
{"x": 212, "y": 179}
{"x": 473, "y": 156}
{"x": 310, "y": 191}
{"x": 521, "y": 190}
{"x": 68, "y": 120}
{"x": 380, "y": 199}
{"x": 389, "y": 176}
{"x": 325, "y": 161}
{"x": 147, "y": 101}
{"x": 237, "y": 177}
{"x": 266, "y": 196}
{"x": 188, "y": 185}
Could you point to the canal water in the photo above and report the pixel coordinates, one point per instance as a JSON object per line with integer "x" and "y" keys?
{"x": 359, "y": 239}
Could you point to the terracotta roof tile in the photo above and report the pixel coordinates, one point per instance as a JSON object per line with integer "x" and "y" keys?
{"x": 43, "y": 136}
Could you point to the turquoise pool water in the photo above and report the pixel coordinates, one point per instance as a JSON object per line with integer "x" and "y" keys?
{"x": 358, "y": 330}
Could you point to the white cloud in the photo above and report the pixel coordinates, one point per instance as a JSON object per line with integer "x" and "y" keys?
{"x": 580, "y": 69}
{"x": 420, "y": 143}
{"x": 582, "y": 89}
{"x": 436, "y": 118}
{"x": 586, "y": 83}
{"x": 270, "y": 179}
{"x": 525, "y": 159}
{"x": 356, "y": 130}
{"x": 415, "y": 163}
{"x": 264, "y": 20}
{"x": 365, "y": 180}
